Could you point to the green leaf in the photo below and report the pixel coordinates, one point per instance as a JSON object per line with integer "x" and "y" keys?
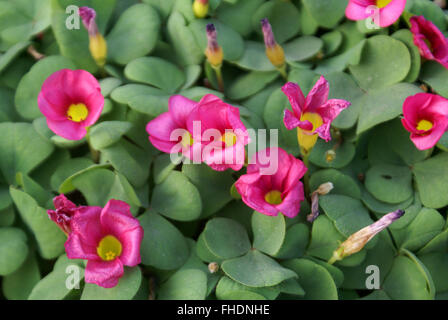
{"x": 283, "y": 16}
{"x": 53, "y": 285}
{"x": 343, "y": 184}
{"x": 256, "y": 270}
{"x": 383, "y": 105}
{"x": 332, "y": 41}
{"x": 325, "y": 238}
{"x": 183, "y": 40}
{"x": 231, "y": 42}
{"x": 213, "y": 186}
{"x": 431, "y": 11}
{"x": 405, "y": 281}
{"x": 163, "y": 245}
{"x": 348, "y": 214}
{"x": 18, "y": 285}
{"x": 12, "y": 53}
{"x": 385, "y": 61}
{"x": 190, "y": 284}
{"x": 67, "y": 169}
{"x": 437, "y": 263}
{"x": 316, "y": 281}
{"x": 227, "y": 289}
{"x": 235, "y": 14}
{"x": 269, "y": 232}
{"x": 134, "y": 35}
{"x": 100, "y": 185}
{"x": 67, "y": 186}
{"x": 302, "y": 48}
{"x": 250, "y": 83}
{"x": 296, "y": 241}
{"x": 343, "y": 60}
{"x": 406, "y": 37}
{"x": 344, "y": 153}
{"x": 19, "y": 20}
{"x": 50, "y": 239}
{"x": 254, "y": 57}
{"x": 436, "y": 76}
{"x": 389, "y": 183}
{"x": 156, "y": 72}
{"x": 432, "y": 180}
{"x": 378, "y": 206}
{"x": 422, "y": 229}
{"x": 326, "y": 13}
{"x": 126, "y": 288}
{"x": 226, "y": 238}
{"x": 13, "y": 250}
{"x": 107, "y": 133}
{"x": 30, "y": 85}
{"x": 177, "y": 198}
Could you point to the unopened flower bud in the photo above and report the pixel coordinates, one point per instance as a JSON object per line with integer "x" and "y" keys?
{"x": 274, "y": 51}
{"x": 213, "y": 267}
{"x": 97, "y": 43}
{"x": 63, "y": 213}
{"x": 330, "y": 155}
{"x": 359, "y": 239}
{"x": 323, "y": 189}
{"x": 213, "y": 52}
{"x": 200, "y": 8}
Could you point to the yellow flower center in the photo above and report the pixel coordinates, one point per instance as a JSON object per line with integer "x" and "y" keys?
{"x": 77, "y": 112}
{"x": 382, "y": 3}
{"x": 273, "y": 197}
{"x": 109, "y": 248}
{"x": 305, "y": 139}
{"x": 424, "y": 125}
{"x": 229, "y": 138}
{"x": 187, "y": 140}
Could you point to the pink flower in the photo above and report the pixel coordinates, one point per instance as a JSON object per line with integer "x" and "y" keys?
{"x": 387, "y": 13}
{"x": 65, "y": 210}
{"x": 108, "y": 238}
{"x": 426, "y": 118}
{"x": 71, "y": 100}
{"x": 280, "y": 192}
{"x": 222, "y": 134}
{"x": 314, "y": 114}
{"x": 430, "y": 41}
{"x": 168, "y": 132}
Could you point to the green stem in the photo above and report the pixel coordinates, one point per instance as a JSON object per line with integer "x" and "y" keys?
{"x": 306, "y": 178}
{"x": 332, "y": 260}
{"x": 95, "y": 153}
{"x": 219, "y": 79}
{"x": 283, "y": 72}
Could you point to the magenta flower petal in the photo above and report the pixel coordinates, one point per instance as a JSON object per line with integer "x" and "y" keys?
{"x": 317, "y": 96}
{"x": 131, "y": 241}
{"x": 180, "y": 108}
{"x": 71, "y": 100}
{"x": 358, "y": 10}
{"x": 76, "y": 248}
{"x": 88, "y": 225}
{"x": 270, "y": 194}
{"x": 104, "y": 273}
{"x": 426, "y": 118}
{"x": 63, "y": 213}
{"x": 162, "y": 127}
{"x": 116, "y": 218}
{"x": 295, "y": 96}
{"x": 290, "y": 206}
{"x": 329, "y": 111}
{"x": 430, "y": 41}
{"x": 391, "y": 13}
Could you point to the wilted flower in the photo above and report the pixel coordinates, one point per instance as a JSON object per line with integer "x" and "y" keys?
{"x": 71, "y": 100}
{"x": 200, "y": 8}
{"x": 358, "y": 240}
{"x": 63, "y": 213}
{"x": 430, "y": 41}
{"x": 222, "y": 133}
{"x": 312, "y": 116}
{"x": 213, "y": 267}
{"x": 108, "y": 238}
{"x": 322, "y": 190}
{"x": 274, "y": 51}
{"x": 213, "y": 52}
{"x": 426, "y": 118}
{"x": 270, "y": 194}
{"x": 97, "y": 43}
{"x": 389, "y": 11}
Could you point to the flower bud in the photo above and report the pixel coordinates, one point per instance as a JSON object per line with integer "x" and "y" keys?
{"x": 325, "y": 188}
{"x": 330, "y": 155}
{"x": 63, "y": 213}
{"x": 274, "y": 51}
{"x": 213, "y": 267}
{"x": 359, "y": 239}
{"x": 200, "y": 8}
{"x": 97, "y": 43}
{"x": 213, "y": 52}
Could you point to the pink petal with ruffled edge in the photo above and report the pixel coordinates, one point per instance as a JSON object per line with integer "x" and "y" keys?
{"x": 180, "y": 108}
{"x": 329, "y": 111}
{"x": 290, "y": 205}
{"x": 86, "y": 223}
{"x": 106, "y": 274}
{"x": 317, "y": 96}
